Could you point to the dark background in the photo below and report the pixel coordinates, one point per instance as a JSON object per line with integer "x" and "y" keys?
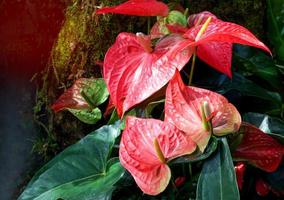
{"x": 28, "y": 29}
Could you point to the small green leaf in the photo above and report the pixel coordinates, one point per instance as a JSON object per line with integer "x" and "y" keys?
{"x": 86, "y": 116}
{"x": 95, "y": 92}
{"x": 82, "y": 171}
{"x": 198, "y": 156}
{"x": 217, "y": 179}
{"x": 176, "y": 17}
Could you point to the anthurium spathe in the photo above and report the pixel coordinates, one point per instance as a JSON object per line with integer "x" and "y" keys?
{"x": 214, "y": 45}
{"x": 199, "y": 112}
{"x": 259, "y": 149}
{"x": 133, "y": 70}
{"x": 138, "y": 8}
{"x": 145, "y": 148}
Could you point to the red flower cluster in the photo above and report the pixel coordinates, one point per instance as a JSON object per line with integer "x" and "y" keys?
{"x": 134, "y": 70}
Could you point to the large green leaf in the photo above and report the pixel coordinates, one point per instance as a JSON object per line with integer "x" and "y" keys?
{"x": 275, "y": 24}
{"x": 86, "y": 116}
{"x": 239, "y": 85}
{"x": 217, "y": 179}
{"x": 248, "y": 88}
{"x": 252, "y": 62}
{"x": 82, "y": 171}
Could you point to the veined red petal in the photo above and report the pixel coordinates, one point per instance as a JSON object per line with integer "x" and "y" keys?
{"x": 218, "y": 55}
{"x": 138, "y": 8}
{"x": 183, "y": 109}
{"x": 138, "y": 155}
{"x": 215, "y": 45}
{"x": 72, "y": 97}
{"x": 259, "y": 149}
{"x": 132, "y": 74}
{"x": 225, "y": 32}
{"x": 176, "y": 28}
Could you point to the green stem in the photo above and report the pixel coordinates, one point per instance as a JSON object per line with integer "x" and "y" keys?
{"x": 192, "y": 69}
{"x": 190, "y": 170}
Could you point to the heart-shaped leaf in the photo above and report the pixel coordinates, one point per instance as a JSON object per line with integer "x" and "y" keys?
{"x": 146, "y": 146}
{"x": 86, "y": 116}
{"x": 259, "y": 149}
{"x": 82, "y": 171}
{"x": 85, "y": 93}
{"x": 217, "y": 179}
{"x": 82, "y": 99}
{"x": 138, "y": 8}
{"x": 133, "y": 72}
{"x": 183, "y": 109}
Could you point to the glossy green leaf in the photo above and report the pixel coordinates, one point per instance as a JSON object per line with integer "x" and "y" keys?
{"x": 275, "y": 24}
{"x": 95, "y": 93}
{"x": 217, "y": 179}
{"x": 198, "y": 156}
{"x": 82, "y": 171}
{"x": 248, "y": 88}
{"x": 86, "y": 116}
{"x": 252, "y": 62}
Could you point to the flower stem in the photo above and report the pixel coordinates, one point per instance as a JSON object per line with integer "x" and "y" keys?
{"x": 192, "y": 69}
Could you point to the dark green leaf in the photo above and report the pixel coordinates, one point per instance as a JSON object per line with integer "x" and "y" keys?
{"x": 197, "y": 156}
{"x": 248, "y": 88}
{"x": 82, "y": 171}
{"x": 252, "y": 62}
{"x": 217, "y": 179}
{"x": 275, "y": 24}
{"x": 95, "y": 93}
{"x": 239, "y": 85}
{"x": 86, "y": 116}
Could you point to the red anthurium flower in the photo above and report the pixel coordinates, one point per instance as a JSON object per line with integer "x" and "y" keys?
{"x": 240, "y": 170}
{"x": 261, "y": 187}
{"x": 133, "y": 71}
{"x": 179, "y": 181}
{"x": 259, "y": 149}
{"x": 72, "y": 97}
{"x": 138, "y": 8}
{"x": 214, "y": 45}
{"x": 199, "y": 112}
{"x": 145, "y": 148}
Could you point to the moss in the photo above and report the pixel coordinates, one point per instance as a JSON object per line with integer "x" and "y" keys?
{"x": 81, "y": 45}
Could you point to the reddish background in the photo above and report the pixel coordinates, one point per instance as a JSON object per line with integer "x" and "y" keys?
{"x": 28, "y": 29}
